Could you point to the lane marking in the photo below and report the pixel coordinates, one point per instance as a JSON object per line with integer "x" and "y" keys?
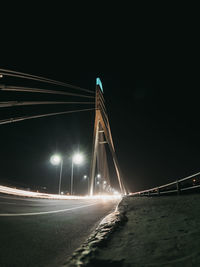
{"x": 44, "y": 212}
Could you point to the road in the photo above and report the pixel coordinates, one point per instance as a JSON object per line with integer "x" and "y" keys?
{"x": 41, "y": 232}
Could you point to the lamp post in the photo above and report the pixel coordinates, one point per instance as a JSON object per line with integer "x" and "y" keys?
{"x": 104, "y": 186}
{"x": 97, "y": 182}
{"x": 86, "y": 177}
{"x": 76, "y": 159}
{"x": 56, "y": 160}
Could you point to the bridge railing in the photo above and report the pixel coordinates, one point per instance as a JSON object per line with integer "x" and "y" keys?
{"x": 188, "y": 184}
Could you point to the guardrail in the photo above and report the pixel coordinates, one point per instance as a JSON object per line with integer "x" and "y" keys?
{"x": 189, "y": 184}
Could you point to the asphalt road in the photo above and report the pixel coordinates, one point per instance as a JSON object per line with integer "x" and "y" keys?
{"x": 41, "y": 232}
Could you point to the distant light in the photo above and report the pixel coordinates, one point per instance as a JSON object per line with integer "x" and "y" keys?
{"x": 105, "y": 182}
{"x": 1, "y": 76}
{"x": 194, "y": 180}
{"x": 85, "y": 176}
{"x": 98, "y": 175}
{"x": 62, "y": 193}
{"x": 77, "y": 158}
{"x": 97, "y": 182}
{"x": 55, "y": 159}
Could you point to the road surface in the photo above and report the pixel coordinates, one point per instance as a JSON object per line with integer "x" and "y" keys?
{"x": 41, "y": 232}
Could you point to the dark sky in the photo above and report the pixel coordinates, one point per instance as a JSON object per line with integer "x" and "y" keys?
{"x": 148, "y": 64}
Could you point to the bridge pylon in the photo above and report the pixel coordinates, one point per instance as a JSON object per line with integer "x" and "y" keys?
{"x": 101, "y": 125}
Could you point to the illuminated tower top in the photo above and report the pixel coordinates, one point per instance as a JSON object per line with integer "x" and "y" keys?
{"x": 98, "y": 82}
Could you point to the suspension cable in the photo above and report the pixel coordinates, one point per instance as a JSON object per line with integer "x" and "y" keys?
{"x": 11, "y": 73}
{"x": 29, "y": 103}
{"x": 17, "y": 119}
{"x": 38, "y": 90}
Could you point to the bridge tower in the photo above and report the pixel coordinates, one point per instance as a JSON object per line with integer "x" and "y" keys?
{"x": 102, "y": 135}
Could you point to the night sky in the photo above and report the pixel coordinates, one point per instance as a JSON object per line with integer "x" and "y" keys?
{"x": 148, "y": 67}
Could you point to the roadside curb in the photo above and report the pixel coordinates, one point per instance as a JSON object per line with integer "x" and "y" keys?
{"x": 86, "y": 253}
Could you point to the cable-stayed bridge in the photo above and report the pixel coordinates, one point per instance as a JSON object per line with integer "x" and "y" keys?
{"x": 90, "y": 101}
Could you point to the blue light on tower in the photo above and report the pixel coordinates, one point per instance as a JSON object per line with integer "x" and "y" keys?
{"x": 98, "y": 82}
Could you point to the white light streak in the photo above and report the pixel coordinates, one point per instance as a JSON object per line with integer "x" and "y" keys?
{"x": 24, "y": 193}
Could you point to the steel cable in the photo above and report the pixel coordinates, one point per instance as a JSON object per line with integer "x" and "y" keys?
{"x": 17, "y": 119}
{"x": 29, "y": 103}
{"x": 22, "y": 75}
{"x": 38, "y": 90}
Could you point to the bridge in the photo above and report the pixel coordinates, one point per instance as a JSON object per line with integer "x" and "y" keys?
{"x": 41, "y": 229}
{"x": 102, "y": 136}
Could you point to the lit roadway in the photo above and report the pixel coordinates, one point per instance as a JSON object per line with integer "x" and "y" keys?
{"x": 42, "y": 232}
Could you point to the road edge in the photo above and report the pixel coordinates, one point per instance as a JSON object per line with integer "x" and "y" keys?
{"x": 86, "y": 253}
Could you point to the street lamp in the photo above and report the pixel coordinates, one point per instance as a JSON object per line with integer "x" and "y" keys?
{"x": 96, "y": 181}
{"x": 56, "y": 160}
{"x": 76, "y": 159}
{"x": 86, "y": 177}
{"x": 104, "y": 185}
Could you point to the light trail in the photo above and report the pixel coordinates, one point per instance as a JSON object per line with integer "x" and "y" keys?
{"x": 24, "y": 193}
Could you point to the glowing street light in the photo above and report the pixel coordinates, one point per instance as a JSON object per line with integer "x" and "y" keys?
{"x": 76, "y": 159}
{"x": 96, "y": 182}
{"x": 56, "y": 160}
{"x": 105, "y": 186}
{"x": 86, "y": 177}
